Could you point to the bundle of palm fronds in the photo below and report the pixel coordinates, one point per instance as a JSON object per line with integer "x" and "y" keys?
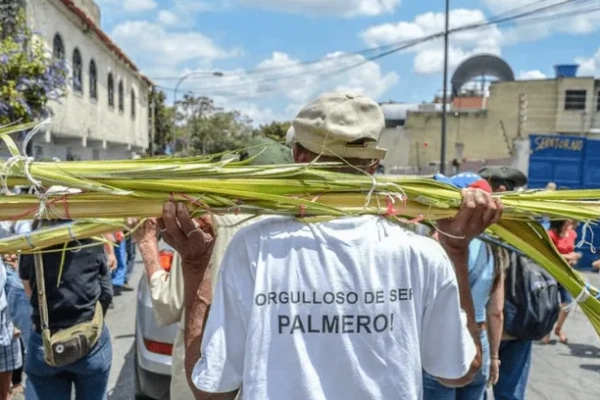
{"x": 72, "y": 231}
{"x": 138, "y": 188}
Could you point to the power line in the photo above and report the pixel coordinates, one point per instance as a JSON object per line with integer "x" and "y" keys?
{"x": 526, "y": 15}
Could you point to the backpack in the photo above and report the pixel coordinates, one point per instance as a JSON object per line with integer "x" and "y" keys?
{"x": 531, "y": 299}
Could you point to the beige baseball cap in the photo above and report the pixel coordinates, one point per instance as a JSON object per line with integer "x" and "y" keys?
{"x": 343, "y": 124}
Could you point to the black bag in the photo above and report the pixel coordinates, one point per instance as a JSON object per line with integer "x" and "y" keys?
{"x": 531, "y": 300}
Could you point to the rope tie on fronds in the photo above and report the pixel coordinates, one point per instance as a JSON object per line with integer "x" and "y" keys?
{"x": 581, "y": 298}
{"x": 587, "y": 227}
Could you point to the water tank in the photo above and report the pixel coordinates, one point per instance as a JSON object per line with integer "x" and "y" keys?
{"x": 566, "y": 70}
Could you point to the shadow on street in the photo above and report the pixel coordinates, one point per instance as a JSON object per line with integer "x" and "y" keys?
{"x": 123, "y": 389}
{"x": 590, "y": 367}
{"x": 584, "y": 350}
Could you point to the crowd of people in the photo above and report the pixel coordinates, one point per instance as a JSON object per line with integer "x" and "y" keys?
{"x": 79, "y": 282}
{"x": 277, "y": 307}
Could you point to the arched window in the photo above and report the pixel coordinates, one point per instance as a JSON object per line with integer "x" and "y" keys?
{"x": 93, "y": 81}
{"x": 121, "y": 97}
{"x": 58, "y": 47}
{"x": 77, "y": 65}
{"x": 111, "y": 90}
{"x": 132, "y": 103}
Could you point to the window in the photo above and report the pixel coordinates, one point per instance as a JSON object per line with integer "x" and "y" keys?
{"x": 93, "y": 81}
{"x": 575, "y": 99}
{"x": 598, "y": 102}
{"x": 58, "y": 47}
{"x": 132, "y": 103}
{"x": 121, "y": 97}
{"x": 77, "y": 82}
{"x": 111, "y": 90}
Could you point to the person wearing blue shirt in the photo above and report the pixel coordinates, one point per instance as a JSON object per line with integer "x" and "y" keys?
{"x": 487, "y": 288}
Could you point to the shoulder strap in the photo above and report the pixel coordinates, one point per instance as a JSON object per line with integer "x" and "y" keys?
{"x": 38, "y": 261}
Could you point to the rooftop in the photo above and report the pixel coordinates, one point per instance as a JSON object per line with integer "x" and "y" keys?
{"x": 107, "y": 41}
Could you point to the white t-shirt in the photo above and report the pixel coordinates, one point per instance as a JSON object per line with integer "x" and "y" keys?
{"x": 352, "y": 308}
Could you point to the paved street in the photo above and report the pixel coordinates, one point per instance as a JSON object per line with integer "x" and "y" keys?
{"x": 121, "y": 322}
{"x": 559, "y": 372}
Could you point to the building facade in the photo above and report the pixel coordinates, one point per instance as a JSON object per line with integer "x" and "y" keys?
{"x": 104, "y": 114}
{"x": 494, "y": 131}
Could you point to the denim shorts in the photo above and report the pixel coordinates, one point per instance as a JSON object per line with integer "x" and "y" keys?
{"x": 434, "y": 390}
{"x": 565, "y": 296}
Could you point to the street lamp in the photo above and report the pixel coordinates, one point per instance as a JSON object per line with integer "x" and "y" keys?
{"x": 445, "y": 93}
{"x": 218, "y": 74}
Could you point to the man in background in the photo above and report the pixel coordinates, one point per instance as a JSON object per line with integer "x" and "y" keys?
{"x": 166, "y": 288}
{"x": 514, "y": 354}
{"x": 266, "y": 345}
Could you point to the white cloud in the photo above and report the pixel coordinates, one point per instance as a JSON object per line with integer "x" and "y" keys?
{"x": 589, "y": 66}
{"x": 533, "y": 74}
{"x": 160, "y": 50}
{"x": 139, "y": 5}
{"x": 545, "y": 25}
{"x": 298, "y": 83}
{"x": 166, "y": 17}
{"x": 290, "y": 84}
{"x": 344, "y": 8}
{"x": 429, "y": 56}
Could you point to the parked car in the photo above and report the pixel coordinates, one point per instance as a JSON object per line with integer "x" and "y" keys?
{"x": 153, "y": 344}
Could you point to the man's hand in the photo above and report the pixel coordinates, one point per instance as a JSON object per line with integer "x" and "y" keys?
{"x": 478, "y": 211}
{"x": 494, "y": 371}
{"x": 111, "y": 259}
{"x": 146, "y": 233}
{"x": 596, "y": 264}
{"x": 193, "y": 240}
{"x": 12, "y": 261}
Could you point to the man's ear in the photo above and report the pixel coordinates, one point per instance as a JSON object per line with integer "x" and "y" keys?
{"x": 502, "y": 188}
{"x": 373, "y": 167}
{"x": 300, "y": 157}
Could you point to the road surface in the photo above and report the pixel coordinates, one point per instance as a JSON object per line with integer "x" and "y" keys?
{"x": 559, "y": 372}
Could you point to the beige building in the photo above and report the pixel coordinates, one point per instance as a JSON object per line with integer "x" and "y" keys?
{"x": 484, "y": 131}
{"x": 105, "y": 112}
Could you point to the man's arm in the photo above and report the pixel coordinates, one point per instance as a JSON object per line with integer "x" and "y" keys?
{"x": 166, "y": 288}
{"x": 478, "y": 211}
{"x": 460, "y": 259}
{"x": 495, "y": 317}
{"x": 27, "y": 288}
{"x": 195, "y": 246}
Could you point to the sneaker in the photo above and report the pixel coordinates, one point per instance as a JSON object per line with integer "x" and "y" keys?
{"x": 127, "y": 288}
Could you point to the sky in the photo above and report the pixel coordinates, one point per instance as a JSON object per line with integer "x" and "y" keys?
{"x": 267, "y": 58}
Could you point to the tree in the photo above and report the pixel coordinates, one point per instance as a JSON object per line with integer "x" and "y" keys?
{"x": 164, "y": 121}
{"x": 275, "y": 130}
{"x": 209, "y": 130}
{"x": 29, "y": 77}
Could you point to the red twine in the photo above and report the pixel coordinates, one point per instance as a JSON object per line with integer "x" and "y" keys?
{"x": 302, "y": 210}
{"x": 390, "y": 212}
{"x": 66, "y": 207}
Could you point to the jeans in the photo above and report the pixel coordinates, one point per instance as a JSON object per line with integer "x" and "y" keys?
{"x": 130, "y": 258}
{"x": 19, "y": 309}
{"x": 515, "y": 358}
{"x": 434, "y": 390}
{"x": 120, "y": 273}
{"x": 89, "y": 375}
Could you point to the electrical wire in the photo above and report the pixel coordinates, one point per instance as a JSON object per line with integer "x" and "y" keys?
{"x": 524, "y": 13}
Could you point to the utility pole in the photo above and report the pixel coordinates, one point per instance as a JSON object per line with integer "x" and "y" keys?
{"x": 522, "y": 114}
{"x": 445, "y": 93}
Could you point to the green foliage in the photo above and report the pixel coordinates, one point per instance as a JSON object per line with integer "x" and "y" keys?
{"x": 28, "y": 77}
{"x": 164, "y": 120}
{"x": 205, "y": 129}
{"x": 275, "y": 130}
